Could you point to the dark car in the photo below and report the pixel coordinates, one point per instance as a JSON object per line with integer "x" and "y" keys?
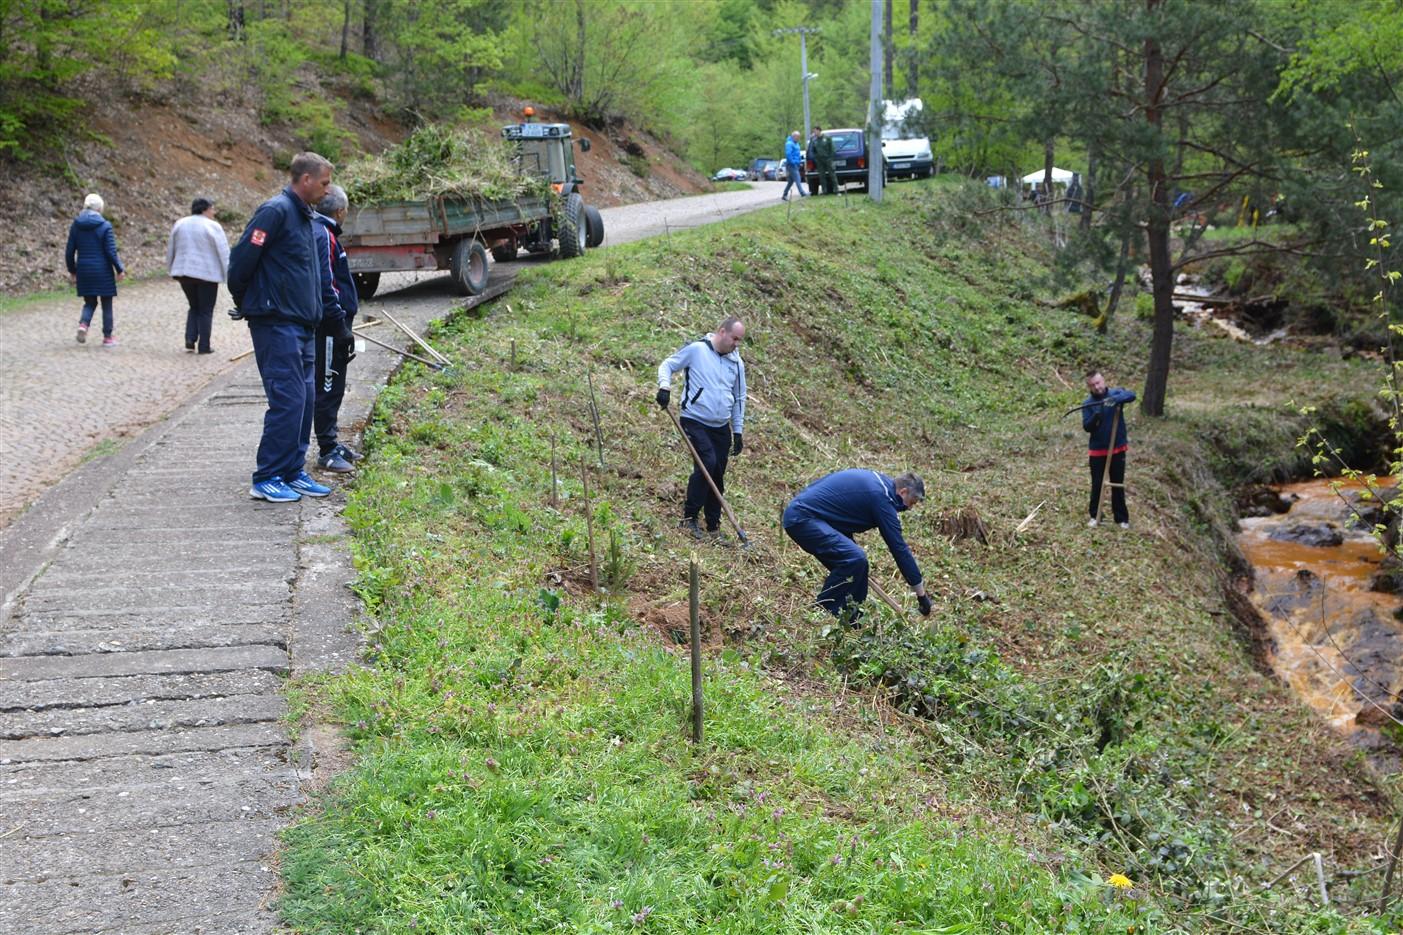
{"x": 759, "y": 166}
{"x": 849, "y": 158}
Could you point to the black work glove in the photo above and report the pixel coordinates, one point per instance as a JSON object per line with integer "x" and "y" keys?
{"x": 236, "y": 314}
{"x": 923, "y": 602}
{"x": 736, "y": 444}
{"x": 663, "y": 396}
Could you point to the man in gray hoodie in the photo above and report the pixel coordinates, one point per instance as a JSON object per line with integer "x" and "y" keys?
{"x": 713, "y": 413}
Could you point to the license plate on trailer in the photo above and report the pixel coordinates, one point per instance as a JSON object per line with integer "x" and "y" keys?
{"x": 839, "y": 163}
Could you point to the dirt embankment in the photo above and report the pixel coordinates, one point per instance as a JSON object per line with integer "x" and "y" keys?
{"x": 149, "y": 159}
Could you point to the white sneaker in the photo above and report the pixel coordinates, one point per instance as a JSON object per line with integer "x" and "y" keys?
{"x": 1092, "y": 523}
{"x": 1123, "y": 525}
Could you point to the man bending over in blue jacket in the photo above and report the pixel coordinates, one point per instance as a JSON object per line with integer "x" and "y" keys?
{"x": 826, "y": 515}
{"x": 275, "y": 279}
{"x": 1099, "y": 411}
{"x": 713, "y": 414}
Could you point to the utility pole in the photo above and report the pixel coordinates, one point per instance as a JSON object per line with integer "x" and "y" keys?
{"x": 875, "y": 111}
{"x": 806, "y": 75}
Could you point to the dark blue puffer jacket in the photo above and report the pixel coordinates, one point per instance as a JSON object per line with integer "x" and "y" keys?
{"x": 1097, "y": 421}
{"x": 342, "y": 284}
{"x": 273, "y": 271}
{"x": 92, "y": 254}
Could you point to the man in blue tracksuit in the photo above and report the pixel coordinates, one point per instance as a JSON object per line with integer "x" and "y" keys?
{"x": 793, "y": 166}
{"x": 826, "y": 515}
{"x": 1099, "y": 411}
{"x": 335, "y": 342}
{"x": 276, "y": 283}
{"x": 713, "y": 413}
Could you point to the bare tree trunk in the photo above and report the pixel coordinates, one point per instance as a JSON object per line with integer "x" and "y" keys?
{"x": 1103, "y": 323}
{"x": 345, "y": 27}
{"x": 888, "y": 46}
{"x": 1088, "y": 198}
{"x": 1047, "y": 176}
{"x": 370, "y": 30}
{"x": 577, "y": 71}
{"x": 912, "y": 54}
{"x": 236, "y": 19}
{"x": 1157, "y": 236}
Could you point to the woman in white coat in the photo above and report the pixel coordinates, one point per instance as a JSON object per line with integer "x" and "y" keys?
{"x": 198, "y": 258}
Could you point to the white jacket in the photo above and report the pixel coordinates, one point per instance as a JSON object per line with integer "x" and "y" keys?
{"x": 713, "y": 386}
{"x": 199, "y": 249}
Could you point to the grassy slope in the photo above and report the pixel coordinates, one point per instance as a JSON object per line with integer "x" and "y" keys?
{"x": 525, "y": 764}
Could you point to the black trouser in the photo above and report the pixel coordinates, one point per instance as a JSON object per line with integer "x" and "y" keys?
{"x": 201, "y": 294}
{"x": 714, "y": 448}
{"x": 331, "y": 387}
{"x": 1098, "y": 471}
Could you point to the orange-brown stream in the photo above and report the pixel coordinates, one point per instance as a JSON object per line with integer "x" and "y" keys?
{"x": 1336, "y": 642}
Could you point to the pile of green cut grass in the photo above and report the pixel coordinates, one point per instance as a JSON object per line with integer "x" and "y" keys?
{"x": 1082, "y": 707}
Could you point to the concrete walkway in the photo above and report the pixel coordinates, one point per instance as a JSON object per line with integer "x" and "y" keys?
{"x": 151, "y": 613}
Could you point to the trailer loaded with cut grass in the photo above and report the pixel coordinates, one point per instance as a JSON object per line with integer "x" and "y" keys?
{"x": 444, "y": 199}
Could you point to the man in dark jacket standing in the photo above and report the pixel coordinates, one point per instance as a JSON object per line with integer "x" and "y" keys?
{"x": 335, "y": 342}
{"x": 1100, "y": 415}
{"x": 275, "y": 279}
{"x": 826, "y": 515}
{"x": 822, "y": 153}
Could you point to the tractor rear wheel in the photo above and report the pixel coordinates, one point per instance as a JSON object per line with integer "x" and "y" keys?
{"x": 573, "y": 234}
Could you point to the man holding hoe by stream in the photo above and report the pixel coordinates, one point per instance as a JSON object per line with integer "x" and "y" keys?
{"x": 1102, "y": 418}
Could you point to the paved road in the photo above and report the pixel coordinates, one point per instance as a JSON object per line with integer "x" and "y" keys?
{"x": 151, "y": 611}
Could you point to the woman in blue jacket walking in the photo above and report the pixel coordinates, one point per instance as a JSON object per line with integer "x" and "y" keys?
{"x": 93, "y": 266}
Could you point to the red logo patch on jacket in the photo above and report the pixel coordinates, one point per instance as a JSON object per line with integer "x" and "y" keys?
{"x": 258, "y": 237}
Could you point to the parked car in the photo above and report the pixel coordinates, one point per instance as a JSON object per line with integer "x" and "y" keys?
{"x": 730, "y": 175}
{"x": 908, "y": 158}
{"x": 760, "y": 165}
{"x": 779, "y": 173}
{"x": 849, "y": 158}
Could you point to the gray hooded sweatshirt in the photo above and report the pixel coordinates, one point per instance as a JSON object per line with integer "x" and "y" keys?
{"x": 713, "y": 385}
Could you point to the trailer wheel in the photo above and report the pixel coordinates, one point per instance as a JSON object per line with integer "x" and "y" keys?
{"x": 504, "y": 252}
{"x": 594, "y": 226}
{"x": 574, "y": 236}
{"x": 468, "y": 267}
{"x": 366, "y": 284}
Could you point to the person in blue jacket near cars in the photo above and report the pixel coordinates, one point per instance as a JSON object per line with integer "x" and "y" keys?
{"x": 276, "y": 281}
{"x": 335, "y": 342}
{"x": 713, "y": 414}
{"x": 93, "y": 266}
{"x": 823, "y": 518}
{"x": 1100, "y": 410}
{"x": 794, "y": 166}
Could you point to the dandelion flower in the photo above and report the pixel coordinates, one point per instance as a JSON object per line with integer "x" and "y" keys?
{"x": 1120, "y": 881}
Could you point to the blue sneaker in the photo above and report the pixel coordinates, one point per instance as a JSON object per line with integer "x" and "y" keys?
{"x": 350, "y": 454}
{"x": 274, "y": 491}
{"x": 304, "y": 484}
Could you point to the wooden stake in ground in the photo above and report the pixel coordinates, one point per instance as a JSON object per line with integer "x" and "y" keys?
{"x": 594, "y": 414}
{"x": 417, "y": 340}
{"x": 589, "y": 528}
{"x": 554, "y": 483}
{"x": 694, "y": 611}
{"x": 513, "y": 358}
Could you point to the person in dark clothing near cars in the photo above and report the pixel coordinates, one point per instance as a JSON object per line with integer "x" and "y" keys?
{"x": 335, "y": 341}
{"x": 821, "y": 154}
{"x": 1099, "y": 412}
{"x": 713, "y": 414}
{"x": 823, "y": 518}
{"x": 94, "y": 266}
{"x": 275, "y": 279}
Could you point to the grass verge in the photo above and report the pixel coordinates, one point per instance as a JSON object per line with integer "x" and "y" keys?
{"x": 1080, "y": 707}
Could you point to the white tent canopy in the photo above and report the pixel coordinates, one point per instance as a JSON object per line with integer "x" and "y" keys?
{"x": 1059, "y": 177}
